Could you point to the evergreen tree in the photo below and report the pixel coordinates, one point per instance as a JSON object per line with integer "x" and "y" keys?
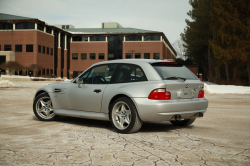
{"x": 231, "y": 33}
{"x": 197, "y": 33}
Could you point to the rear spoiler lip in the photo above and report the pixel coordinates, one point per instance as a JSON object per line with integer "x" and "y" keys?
{"x": 166, "y": 64}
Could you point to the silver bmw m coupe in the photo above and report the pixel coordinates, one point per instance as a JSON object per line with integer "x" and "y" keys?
{"x": 127, "y": 93}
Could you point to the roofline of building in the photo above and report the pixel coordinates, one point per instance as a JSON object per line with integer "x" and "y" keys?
{"x": 68, "y": 32}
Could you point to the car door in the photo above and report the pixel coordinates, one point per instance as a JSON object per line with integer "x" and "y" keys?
{"x": 88, "y": 97}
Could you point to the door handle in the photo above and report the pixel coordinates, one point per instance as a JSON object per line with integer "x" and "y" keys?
{"x": 57, "y": 90}
{"x": 97, "y": 90}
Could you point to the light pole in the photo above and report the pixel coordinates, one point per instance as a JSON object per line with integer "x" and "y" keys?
{"x": 132, "y": 53}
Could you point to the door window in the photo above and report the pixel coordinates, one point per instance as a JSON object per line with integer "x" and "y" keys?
{"x": 99, "y": 75}
{"x": 129, "y": 73}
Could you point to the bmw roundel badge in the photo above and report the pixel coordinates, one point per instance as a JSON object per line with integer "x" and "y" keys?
{"x": 187, "y": 86}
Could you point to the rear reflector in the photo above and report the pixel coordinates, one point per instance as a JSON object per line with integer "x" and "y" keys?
{"x": 160, "y": 94}
{"x": 201, "y": 93}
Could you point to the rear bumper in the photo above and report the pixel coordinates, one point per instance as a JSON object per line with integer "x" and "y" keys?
{"x": 164, "y": 110}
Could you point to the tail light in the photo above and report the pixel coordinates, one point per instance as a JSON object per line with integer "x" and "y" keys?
{"x": 201, "y": 93}
{"x": 160, "y": 94}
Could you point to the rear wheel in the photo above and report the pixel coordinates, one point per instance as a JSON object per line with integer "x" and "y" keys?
{"x": 183, "y": 122}
{"x": 43, "y": 108}
{"x": 124, "y": 116}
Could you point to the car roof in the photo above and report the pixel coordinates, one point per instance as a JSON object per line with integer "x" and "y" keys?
{"x": 134, "y": 61}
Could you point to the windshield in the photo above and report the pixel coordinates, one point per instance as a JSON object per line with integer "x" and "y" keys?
{"x": 171, "y": 73}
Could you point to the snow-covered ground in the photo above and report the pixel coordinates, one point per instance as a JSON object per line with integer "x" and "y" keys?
{"x": 8, "y": 84}
{"x": 28, "y": 77}
{"x": 225, "y": 89}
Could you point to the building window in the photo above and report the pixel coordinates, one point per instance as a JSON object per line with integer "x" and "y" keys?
{"x": 128, "y": 56}
{"x": 146, "y": 55}
{"x": 51, "y": 51}
{"x": 156, "y": 56}
{"x": 18, "y": 48}
{"x": 44, "y": 49}
{"x": 47, "y": 72}
{"x": 83, "y": 56}
{"x": 80, "y": 38}
{"x": 75, "y": 56}
{"x": 0, "y": 47}
{"x": 43, "y": 71}
{"x": 92, "y": 56}
{"x": 133, "y": 38}
{"x": 39, "y": 48}
{"x": 164, "y": 56}
{"x": 25, "y": 25}
{"x": 48, "y": 50}
{"x": 29, "y": 48}
{"x": 6, "y": 25}
{"x": 48, "y": 30}
{"x": 97, "y": 38}
{"x": 7, "y": 47}
{"x": 101, "y": 55}
{"x": 137, "y": 55}
{"x": 51, "y": 71}
{"x": 152, "y": 38}
{"x": 40, "y": 27}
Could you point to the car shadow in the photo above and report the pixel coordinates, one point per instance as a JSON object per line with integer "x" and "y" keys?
{"x": 147, "y": 127}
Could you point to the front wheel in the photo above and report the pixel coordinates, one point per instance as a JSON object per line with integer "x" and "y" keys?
{"x": 124, "y": 117}
{"x": 183, "y": 122}
{"x": 43, "y": 108}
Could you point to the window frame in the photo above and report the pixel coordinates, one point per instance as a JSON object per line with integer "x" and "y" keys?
{"x": 90, "y": 56}
{"x": 74, "y": 58}
{"x": 29, "y": 49}
{"x": 144, "y": 56}
{"x": 101, "y": 54}
{"x": 7, "y": 45}
{"x": 84, "y": 54}
{"x": 18, "y": 45}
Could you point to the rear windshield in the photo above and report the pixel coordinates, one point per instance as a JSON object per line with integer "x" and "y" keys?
{"x": 170, "y": 72}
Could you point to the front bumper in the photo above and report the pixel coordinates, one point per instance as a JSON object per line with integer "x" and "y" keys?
{"x": 164, "y": 110}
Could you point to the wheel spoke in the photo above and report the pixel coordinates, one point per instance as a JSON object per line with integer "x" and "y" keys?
{"x": 42, "y": 110}
{"x": 122, "y": 122}
{"x": 43, "y": 103}
{"x": 127, "y": 119}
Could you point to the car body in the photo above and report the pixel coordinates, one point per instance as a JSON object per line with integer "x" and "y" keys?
{"x": 128, "y": 93}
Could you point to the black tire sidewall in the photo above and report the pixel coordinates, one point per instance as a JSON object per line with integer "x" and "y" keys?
{"x": 133, "y": 115}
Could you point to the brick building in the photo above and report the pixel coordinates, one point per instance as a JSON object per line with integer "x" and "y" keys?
{"x": 64, "y": 51}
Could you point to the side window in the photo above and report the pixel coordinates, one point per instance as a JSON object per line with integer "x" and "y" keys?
{"x": 84, "y": 76}
{"x": 101, "y": 74}
{"x": 129, "y": 73}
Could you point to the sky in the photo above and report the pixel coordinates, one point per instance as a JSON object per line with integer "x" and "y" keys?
{"x": 167, "y": 16}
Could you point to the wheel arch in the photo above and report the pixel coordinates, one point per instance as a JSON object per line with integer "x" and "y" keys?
{"x": 40, "y": 92}
{"x": 116, "y": 97}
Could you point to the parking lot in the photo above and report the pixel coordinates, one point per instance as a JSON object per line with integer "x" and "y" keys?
{"x": 221, "y": 137}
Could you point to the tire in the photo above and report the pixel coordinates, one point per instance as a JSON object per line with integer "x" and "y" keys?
{"x": 124, "y": 116}
{"x": 183, "y": 122}
{"x": 43, "y": 108}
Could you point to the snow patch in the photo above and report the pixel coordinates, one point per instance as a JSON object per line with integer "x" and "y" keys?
{"x": 67, "y": 80}
{"x": 8, "y": 84}
{"x": 226, "y": 89}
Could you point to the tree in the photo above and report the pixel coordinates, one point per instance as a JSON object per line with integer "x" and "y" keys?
{"x": 197, "y": 33}
{"x": 11, "y": 66}
{"x": 179, "y": 48}
{"x": 231, "y": 28}
{"x": 35, "y": 68}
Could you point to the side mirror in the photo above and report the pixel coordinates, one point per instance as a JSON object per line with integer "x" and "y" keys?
{"x": 80, "y": 82}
